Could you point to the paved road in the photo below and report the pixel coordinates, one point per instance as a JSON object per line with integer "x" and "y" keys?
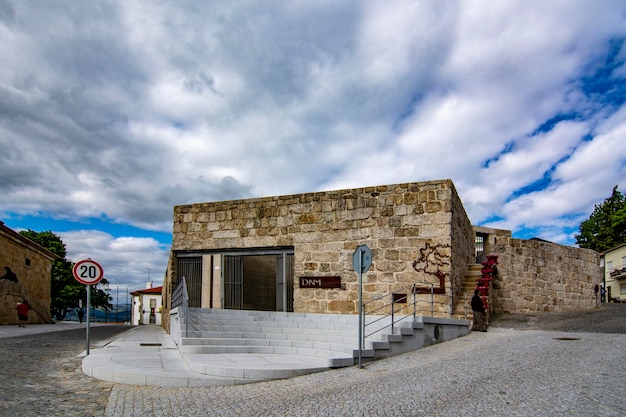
{"x": 609, "y": 318}
{"x": 531, "y": 365}
{"x": 40, "y": 374}
{"x": 576, "y": 368}
{"x": 504, "y": 372}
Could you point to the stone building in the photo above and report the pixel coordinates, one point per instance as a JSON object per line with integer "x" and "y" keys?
{"x": 295, "y": 253}
{"x": 25, "y": 275}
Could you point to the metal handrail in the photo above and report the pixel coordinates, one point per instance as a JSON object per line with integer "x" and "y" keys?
{"x": 180, "y": 298}
{"x": 403, "y": 301}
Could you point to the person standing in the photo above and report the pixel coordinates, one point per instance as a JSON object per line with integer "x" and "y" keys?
{"x": 479, "y": 313}
{"x": 22, "y": 313}
{"x": 81, "y": 314}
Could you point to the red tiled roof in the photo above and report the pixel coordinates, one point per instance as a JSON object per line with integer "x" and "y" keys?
{"x": 155, "y": 290}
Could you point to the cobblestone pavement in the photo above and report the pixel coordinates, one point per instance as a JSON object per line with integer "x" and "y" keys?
{"x": 608, "y": 318}
{"x": 575, "y": 368}
{"x": 503, "y": 372}
{"x": 40, "y": 374}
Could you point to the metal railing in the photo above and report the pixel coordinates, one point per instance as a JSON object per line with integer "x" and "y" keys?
{"x": 180, "y": 298}
{"x": 405, "y": 302}
{"x": 618, "y": 271}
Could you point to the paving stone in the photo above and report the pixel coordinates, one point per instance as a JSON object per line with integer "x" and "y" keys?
{"x": 41, "y": 374}
{"x": 502, "y": 372}
{"x": 515, "y": 369}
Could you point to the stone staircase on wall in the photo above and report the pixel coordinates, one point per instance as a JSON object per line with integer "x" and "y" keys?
{"x": 212, "y": 338}
{"x": 462, "y": 308}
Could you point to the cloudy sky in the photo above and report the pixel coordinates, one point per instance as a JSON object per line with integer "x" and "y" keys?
{"x": 112, "y": 112}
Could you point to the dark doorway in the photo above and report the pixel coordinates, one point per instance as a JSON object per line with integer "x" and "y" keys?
{"x": 480, "y": 244}
{"x": 262, "y": 281}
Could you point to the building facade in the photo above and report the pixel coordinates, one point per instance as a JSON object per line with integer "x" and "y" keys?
{"x": 25, "y": 275}
{"x": 615, "y": 273}
{"x": 146, "y": 306}
{"x": 297, "y": 252}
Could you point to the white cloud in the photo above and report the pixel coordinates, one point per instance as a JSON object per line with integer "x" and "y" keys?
{"x": 583, "y": 180}
{"x": 125, "y": 260}
{"x": 125, "y": 109}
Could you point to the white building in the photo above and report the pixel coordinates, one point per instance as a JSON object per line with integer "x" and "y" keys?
{"x": 615, "y": 273}
{"x": 146, "y": 306}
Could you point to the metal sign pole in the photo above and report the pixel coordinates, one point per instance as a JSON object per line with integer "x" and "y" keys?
{"x": 361, "y": 262}
{"x": 88, "y": 315}
{"x": 88, "y": 272}
{"x": 360, "y": 307}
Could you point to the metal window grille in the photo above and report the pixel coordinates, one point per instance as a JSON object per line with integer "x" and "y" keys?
{"x": 233, "y": 282}
{"x": 191, "y": 269}
{"x": 289, "y": 264}
{"x": 480, "y": 248}
{"x": 284, "y": 282}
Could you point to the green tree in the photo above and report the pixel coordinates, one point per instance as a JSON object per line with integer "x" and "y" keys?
{"x": 606, "y": 227}
{"x": 65, "y": 290}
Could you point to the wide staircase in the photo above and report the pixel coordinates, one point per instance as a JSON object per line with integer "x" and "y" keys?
{"x": 239, "y": 331}
{"x": 250, "y": 346}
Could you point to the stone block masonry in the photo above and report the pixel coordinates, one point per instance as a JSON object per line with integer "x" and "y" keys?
{"x": 539, "y": 276}
{"x": 419, "y": 233}
{"x": 27, "y": 277}
{"x": 400, "y": 223}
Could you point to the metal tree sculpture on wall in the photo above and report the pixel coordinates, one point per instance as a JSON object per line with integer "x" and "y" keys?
{"x": 430, "y": 260}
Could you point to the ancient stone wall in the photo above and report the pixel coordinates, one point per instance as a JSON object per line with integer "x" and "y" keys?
{"x": 409, "y": 228}
{"x": 463, "y": 235}
{"x": 25, "y": 269}
{"x": 169, "y": 284}
{"x": 535, "y": 275}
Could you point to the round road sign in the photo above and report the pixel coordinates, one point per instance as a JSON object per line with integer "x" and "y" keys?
{"x": 362, "y": 255}
{"x": 88, "y": 272}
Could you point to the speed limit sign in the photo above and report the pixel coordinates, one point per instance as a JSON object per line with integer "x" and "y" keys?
{"x": 88, "y": 272}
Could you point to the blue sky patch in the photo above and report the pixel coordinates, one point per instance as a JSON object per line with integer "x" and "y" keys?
{"x": 42, "y": 223}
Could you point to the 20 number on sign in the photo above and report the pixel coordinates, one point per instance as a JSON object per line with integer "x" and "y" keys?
{"x": 88, "y": 272}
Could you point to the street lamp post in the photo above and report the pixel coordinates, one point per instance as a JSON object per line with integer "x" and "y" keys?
{"x": 117, "y": 304}
{"x": 107, "y": 288}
